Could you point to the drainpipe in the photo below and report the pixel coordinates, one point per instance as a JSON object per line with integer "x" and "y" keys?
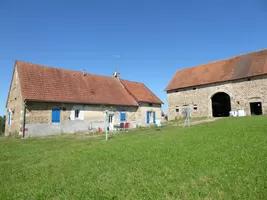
{"x": 23, "y": 123}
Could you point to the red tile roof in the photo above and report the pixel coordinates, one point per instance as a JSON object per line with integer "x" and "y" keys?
{"x": 242, "y": 66}
{"x": 41, "y": 83}
{"x": 140, "y": 92}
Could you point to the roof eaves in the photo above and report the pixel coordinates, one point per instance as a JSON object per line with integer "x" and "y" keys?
{"x": 14, "y": 68}
{"x": 204, "y": 84}
{"x": 79, "y": 102}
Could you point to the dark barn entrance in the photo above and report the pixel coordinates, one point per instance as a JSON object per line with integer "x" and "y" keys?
{"x": 221, "y": 105}
{"x": 256, "y": 108}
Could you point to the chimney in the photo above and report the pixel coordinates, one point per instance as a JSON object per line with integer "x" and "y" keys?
{"x": 84, "y": 73}
{"x": 116, "y": 74}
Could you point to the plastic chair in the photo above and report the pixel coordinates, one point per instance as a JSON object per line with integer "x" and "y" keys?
{"x": 158, "y": 124}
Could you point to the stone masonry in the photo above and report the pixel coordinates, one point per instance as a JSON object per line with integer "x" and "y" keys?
{"x": 15, "y": 104}
{"x": 241, "y": 92}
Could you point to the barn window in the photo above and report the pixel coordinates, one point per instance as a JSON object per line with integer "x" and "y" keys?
{"x": 194, "y": 88}
{"x": 177, "y": 109}
{"x": 150, "y": 104}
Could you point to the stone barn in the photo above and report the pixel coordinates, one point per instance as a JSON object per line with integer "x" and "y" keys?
{"x": 237, "y": 84}
{"x": 44, "y": 101}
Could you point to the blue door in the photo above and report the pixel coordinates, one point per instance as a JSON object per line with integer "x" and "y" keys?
{"x": 154, "y": 117}
{"x": 55, "y": 115}
{"x": 147, "y": 117}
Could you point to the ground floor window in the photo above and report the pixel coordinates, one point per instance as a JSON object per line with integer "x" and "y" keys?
{"x": 77, "y": 112}
{"x": 110, "y": 118}
{"x": 150, "y": 117}
{"x": 9, "y": 117}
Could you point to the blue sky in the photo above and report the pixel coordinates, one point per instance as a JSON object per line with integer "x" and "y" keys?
{"x": 146, "y": 40}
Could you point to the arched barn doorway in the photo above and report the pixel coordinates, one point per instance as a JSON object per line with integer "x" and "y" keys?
{"x": 221, "y": 105}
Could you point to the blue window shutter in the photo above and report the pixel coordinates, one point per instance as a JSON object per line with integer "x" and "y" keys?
{"x": 154, "y": 117}
{"x": 147, "y": 117}
{"x": 9, "y": 119}
{"x": 123, "y": 116}
{"x": 55, "y": 115}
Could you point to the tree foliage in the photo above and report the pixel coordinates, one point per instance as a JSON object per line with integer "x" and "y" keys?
{"x": 2, "y": 124}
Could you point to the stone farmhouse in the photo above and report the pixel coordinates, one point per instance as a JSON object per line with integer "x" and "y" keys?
{"x": 44, "y": 101}
{"x": 216, "y": 89}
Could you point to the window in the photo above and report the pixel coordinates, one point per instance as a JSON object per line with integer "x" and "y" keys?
{"x": 195, "y": 107}
{"x": 110, "y": 119}
{"x": 194, "y": 88}
{"x": 150, "y": 104}
{"x": 77, "y": 112}
{"x": 177, "y": 109}
{"x": 56, "y": 115}
{"x": 9, "y": 117}
{"x": 150, "y": 117}
{"x": 123, "y": 116}
{"x": 176, "y": 90}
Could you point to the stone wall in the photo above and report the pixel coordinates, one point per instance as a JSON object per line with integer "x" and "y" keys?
{"x": 41, "y": 113}
{"x": 15, "y": 105}
{"x": 39, "y": 117}
{"x": 65, "y": 127}
{"x": 38, "y": 112}
{"x": 241, "y": 93}
{"x": 141, "y": 113}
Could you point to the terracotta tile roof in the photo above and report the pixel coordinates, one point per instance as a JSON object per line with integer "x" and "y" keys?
{"x": 41, "y": 83}
{"x": 140, "y": 92}
{"x": 242, "y": 66}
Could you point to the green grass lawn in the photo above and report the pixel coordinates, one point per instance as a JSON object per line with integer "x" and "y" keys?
{"x": 226, "y": 159}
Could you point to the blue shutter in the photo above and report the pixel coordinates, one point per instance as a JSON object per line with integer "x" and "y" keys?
{"x": 154, "y": 117}
{"x": 55, "y": 115}
{"x": 123, "y": 116}
{"x": 9, "y": 119}
{"x": 147, "y": 117}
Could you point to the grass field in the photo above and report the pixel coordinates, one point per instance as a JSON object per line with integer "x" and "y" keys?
{"x": 226, "y": 159}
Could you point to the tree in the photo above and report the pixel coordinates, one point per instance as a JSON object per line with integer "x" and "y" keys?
{"x": 2, "y": 124}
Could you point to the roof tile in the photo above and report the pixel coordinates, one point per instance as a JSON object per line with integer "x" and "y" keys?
{"x": 140, "y": 92}
{"x": 242, "y": 66}
{"x": 41, "y": 83}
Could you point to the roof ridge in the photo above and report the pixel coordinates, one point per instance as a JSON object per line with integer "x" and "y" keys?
{"x": 224, "y": 59}
{"x": 63, "y": 69}
{"x": 225, "y": 67}
{"x": 132, "y": 81}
